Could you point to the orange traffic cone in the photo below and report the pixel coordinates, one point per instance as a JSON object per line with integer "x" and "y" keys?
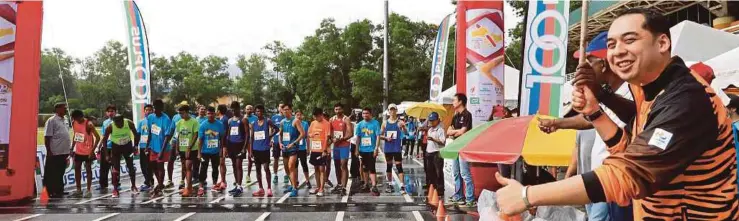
{"x": 441, "y": 211}
{"x": 431, "y": 188}
{"x": 44, "y": 195}
{"x": 434, "y": 199}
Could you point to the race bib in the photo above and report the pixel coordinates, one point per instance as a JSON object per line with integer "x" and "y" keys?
{"x": 315, "y": 144}
{"x": 144, "y": 138}
{"x": 234, "y": 131}
{"x": 366, "y": 141}
{"x": 286, "y": 136}
{"x": 212, "y": 144}
{"x": 259, "y": 135}
{"x": 392, "y": 134}
{"x": 184, "y": 142}
{"x": 155, "y": 129}
{"x": 124, "y": 140}
{"x": 338, "y": 134}
{"x": 79, "y": 137}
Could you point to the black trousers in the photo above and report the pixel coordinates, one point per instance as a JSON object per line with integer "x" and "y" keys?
{"x": 54, "y": 174}
{"x": 425, "y": 162}
{"x": 354, "y": 169}
{"x": 105, "y": 167}
{"x": 145, "y": 169}
{"x": 214, "y": 160}
{"x": 435, "y": 171}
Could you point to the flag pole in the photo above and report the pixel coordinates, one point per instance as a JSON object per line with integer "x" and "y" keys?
{"x": 583, "y": 30}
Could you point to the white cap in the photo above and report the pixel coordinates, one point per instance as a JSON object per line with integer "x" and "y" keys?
{"x": 391, "y": 106}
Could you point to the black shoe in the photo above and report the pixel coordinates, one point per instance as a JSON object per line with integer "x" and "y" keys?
{"x": 375, "y": 191}
{"x": 328, "y": 182}
{"x": 364, "y": 189}
{"x": 389, "y": 189}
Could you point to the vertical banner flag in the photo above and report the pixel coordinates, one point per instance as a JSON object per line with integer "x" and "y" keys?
{"x": 544, "y": 58}
{"x": 480, "y": 56}
{"x": 439, "y": 61}
{"x": 20, "y": 61}
{"x": 138, "y": 60}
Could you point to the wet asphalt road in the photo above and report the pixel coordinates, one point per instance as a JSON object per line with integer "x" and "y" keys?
{"x": 221, "y": 206}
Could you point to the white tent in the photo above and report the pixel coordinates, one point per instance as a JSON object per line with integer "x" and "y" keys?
{"x": 510, "y": 91}
{"x": 726, "y": 69}
{"x": 695, "y": 42}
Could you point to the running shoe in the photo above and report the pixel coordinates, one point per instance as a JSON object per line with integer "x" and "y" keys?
{"x": 402, "y": 190}
{"x": 375, "y": 191}
{"x": 274, "y": 180}
{"x": 76, "y": 194}
{"x": 455, "y": 201}
{"x": 88, "y": 194}
{"x": 309, "y": 185}
{"x": 118, "y": 188}
{"x": 185, "y": 192}
{"x": 248, "y": 180}
{"x": 201, "y": 192}
{"x": 236, "y": 188}
{"x": 134, "y": 191}
{"x": 343, "y": 192}
{"x": 389, "y": 189}
{"x": 313, "y": 191}
{"x": 238, "y": 192}
{"x": 259, "y": 193}
{"x": 269, "y": 193}
{"x": 115, "y": 193}
{"x": 286, "y": 179}
{"x": 289, "y": 189}
{"x": 336, "y": 190}
{"x": 319, "y": 194}
{"x": 145, "y": 188}
{"x": 294, "y": 193}
{"x": 329, "y": 183}
{"x": 169, "y": 185}
{"x": 182, "y": 184}
{"x": 471, "y": 204}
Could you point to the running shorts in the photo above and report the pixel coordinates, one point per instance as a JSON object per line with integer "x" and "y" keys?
{"x": 341, "y": 153}
{"x": 317, "y": 159}
{"x": 234, "y": 150}
{"x": 261, "y": 156}
{"x": 397, "y": 157}
{"x": 368, "y": 161}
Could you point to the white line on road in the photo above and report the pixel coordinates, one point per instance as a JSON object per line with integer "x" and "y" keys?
{"x": 100, "y": 197}
{"x": 299, "y": 185}
{"x": 340, "y": 216}
{"x": 263, "y": 216}
{"x": 349, "y": 190}
{"x": 418, "y": 216}
{"x": 448, "y": 184}
{"x": 184, "y": 216}
{"x": 218, "y": 199}
{"x": 29, "y": 217}
{"x": 106, "y": 217}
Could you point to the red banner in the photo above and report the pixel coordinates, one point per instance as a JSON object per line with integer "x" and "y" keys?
{"x": 16, "y": 179}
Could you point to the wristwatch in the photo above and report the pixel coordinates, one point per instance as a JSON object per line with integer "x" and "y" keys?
{"x": 592, "y": 117}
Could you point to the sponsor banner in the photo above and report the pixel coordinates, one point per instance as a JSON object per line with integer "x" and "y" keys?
{"x": 545, "y": 56}
{"x": 481, "y": 49}
{"x": 138, "y": 60}
{"x": 439, "y": 61}
{"x": 7, "y": 62}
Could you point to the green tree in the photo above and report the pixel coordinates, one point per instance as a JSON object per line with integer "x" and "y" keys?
{"x": 250, "y": 85}
{"x": 105, "y": 78}
{"x": 366, "y": 85}
{"x": 55, "y": 64}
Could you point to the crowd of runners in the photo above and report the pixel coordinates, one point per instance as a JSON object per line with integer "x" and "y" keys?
{"x": 208, "y": 136}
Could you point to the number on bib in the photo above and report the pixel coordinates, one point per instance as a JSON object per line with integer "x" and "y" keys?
{"x": 338, "y": 134}
{"x": 212, "y": 144}
{"x": 366, "y": 141}
{"x": 259, "y": 135}
{"x": 79, "y": 137}
{"x": 392, "y": 134}
{"x": 234, "y": 131}
{"x": 184, "y": 142}
{"x": 124, "y": 140}
{"x": 155, "y": 129}
{"x": 286, "y": 136}
{"x": 315, "y": 144}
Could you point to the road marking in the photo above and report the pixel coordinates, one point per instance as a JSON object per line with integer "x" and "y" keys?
{"x": 248, "y": 185}
{"x": 340, "y": 216}
{"x": 263, "y": 216}
{"x": 106, "y": 217}
{"x": 29, "y": 217}
{"x": 184, "y": 216}
{"x": 299, "y": 185}
{"x": 100, "y": 197}
{"x": 395, "y": 176}
{"x": 219, "y": 199}
{"x": 349, "y": 190}
{"x": 448, "y": 184}
{"x": 418, "y": 216}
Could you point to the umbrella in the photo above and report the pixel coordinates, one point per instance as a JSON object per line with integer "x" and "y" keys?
{"x": 422, "y": 110}
{"x": 503, "y": 141}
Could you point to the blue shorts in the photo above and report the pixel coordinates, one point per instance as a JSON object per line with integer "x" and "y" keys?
{"x": 341, "y": 153}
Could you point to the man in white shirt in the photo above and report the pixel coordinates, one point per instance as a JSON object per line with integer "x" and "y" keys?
{"x": 58, "y": 145}
{"x": 436, "y": 141}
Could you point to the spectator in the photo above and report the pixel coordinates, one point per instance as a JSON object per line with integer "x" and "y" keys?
{"x": 461, "y": 123}
{"x": 436, "y": 141}
{"x": 58, "y": 145}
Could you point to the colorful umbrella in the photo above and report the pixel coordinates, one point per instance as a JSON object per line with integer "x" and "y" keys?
{"x": 504, "y": 141}
{"x": 422, "y": 110}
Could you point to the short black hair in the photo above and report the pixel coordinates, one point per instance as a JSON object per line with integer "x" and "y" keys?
{"x": 654, "y": 22}
{"x": 184, "y": 107}
{"x": 111, "y": 107}
{"x": 77, "y": 113}
{"x": 288, "y": 106}
{"x": 211, "y": 109}
{"x": 462, "y": 98}
{"x": 317, "y": 111}
{"x": 367, "y": 109}
{"x": 158, "y": 104}
{"x": 149, "y": 105}
{"x": 259, "y": 107}
{"x": 235, "y": 105}
{"x": 339, "y": 105}
{"x": 222, "y": 108}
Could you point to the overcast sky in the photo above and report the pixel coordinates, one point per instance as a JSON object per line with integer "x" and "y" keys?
{"x": 218, "y": 27}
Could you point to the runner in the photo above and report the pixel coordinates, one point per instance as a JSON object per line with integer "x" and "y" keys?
{"x": 392, "y": 130}
{"x": 410, "y": 137}
{"x": 202, "y": 114}
{"x": 277, "y": 119}
{"x": 341, "y": 131}
{"x": 302, "y": 148}
{"x": 291, "y": 132}
{"x": 120, "y": 134}
{"x": 187, "y": 136}
{"x": 84, "y": 152}
{"x": 236, "y": 146}
{"x": 262, "y": 130}
{"x": 157, "y": 147}
{"x": 173, "y": 157}
{"x": 320, "y": 139}
{"x": 250, "y": 159}
{"x": 367, "y": 135}
{"x": 143, "y": 131}
{"x": 210, "y": 135}
{"x": 110, "y": 112}
{"x": 223, "y": 118}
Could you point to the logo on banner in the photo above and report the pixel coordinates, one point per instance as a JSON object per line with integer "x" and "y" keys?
{"x": 485, "y": 37}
